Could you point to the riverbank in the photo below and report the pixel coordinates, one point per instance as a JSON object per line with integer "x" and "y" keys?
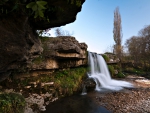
{"x": 133, "y": 100}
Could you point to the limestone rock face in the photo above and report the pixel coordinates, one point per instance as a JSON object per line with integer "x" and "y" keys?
{"x": 18, "y": 44}
{"x": 62, "y": 52}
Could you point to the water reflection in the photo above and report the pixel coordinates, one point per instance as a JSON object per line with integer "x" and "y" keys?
{"x": 75, "y": 104}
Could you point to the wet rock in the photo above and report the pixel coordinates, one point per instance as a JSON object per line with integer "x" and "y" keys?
{"x": 89, "y": 84}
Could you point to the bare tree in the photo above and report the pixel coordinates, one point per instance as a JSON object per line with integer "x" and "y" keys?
{"x": 117, "y": 33}
{"x": 109, "y": 49}
{"x": 61, "y": 32}
{"x": 133, "y": 45}
{"x": 145, "y": 45}
{"x": 44, "y": 32}
{"x": 139, "y": 48}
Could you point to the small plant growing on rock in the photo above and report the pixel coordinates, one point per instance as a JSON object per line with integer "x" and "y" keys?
{"x": 11, "y": 103}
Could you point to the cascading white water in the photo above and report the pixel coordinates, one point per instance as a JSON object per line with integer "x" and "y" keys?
{"x": 99, "y": 72}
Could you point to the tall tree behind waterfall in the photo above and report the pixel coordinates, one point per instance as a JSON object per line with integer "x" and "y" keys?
{"x": 117, "y": 33}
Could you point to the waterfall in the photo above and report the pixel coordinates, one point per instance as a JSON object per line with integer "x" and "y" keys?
{"x": 100, "y": 74}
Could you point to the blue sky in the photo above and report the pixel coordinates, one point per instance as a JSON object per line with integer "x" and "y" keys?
{"x": 94, "y": 24}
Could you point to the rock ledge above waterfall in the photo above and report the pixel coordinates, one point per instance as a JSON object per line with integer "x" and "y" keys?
{"x": 61, "y": 52}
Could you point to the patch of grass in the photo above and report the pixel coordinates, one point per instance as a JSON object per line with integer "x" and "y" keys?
{"x": 69, "y": 80}
{"x": 11, "y": 103}
{"x": 134, "y": 71}
{"x": 66, "y": 82}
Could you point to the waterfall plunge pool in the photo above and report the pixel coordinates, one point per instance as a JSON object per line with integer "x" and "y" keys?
{"x": 87, "y": 103}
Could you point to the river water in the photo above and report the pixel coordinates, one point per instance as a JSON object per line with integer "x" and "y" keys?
{"x": 77, "y": 104}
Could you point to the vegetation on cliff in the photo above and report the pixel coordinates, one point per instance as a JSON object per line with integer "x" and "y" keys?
{"x": 62, "y": 82}
{"x": 11, "y": 103}
{"x": 69, "y": 81}
{"x": 57, "y": 84}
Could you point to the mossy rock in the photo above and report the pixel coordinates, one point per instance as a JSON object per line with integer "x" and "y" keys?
{"x": 111, "y": 70}
{"x": 106, "y": 58}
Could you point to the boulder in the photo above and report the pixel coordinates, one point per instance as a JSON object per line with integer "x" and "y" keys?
{"x": 89, "y": 84}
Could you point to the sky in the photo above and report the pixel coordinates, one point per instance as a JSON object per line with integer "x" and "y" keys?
{"x": 94, "y": 24}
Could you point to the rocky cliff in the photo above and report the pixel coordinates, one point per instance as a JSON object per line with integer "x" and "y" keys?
{"x": 53, "y": 74}
{"x": 55, "y": 53}
{"x": 19, "y": 42}
{"x": 59, "y": 53}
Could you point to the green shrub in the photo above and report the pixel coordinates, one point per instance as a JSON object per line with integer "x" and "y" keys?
{"x": 11, "y": 103}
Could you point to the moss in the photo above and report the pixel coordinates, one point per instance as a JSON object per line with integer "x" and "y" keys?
{"x": 39, "y": 59}
{"x": 12, "y": 103}
{"x": 66, "y": 82}
{"x": 111, "y": 70}
{"x": 69, "y": 80}
{"x": 43, "y": 39}
{"x": 106, "y": 58}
